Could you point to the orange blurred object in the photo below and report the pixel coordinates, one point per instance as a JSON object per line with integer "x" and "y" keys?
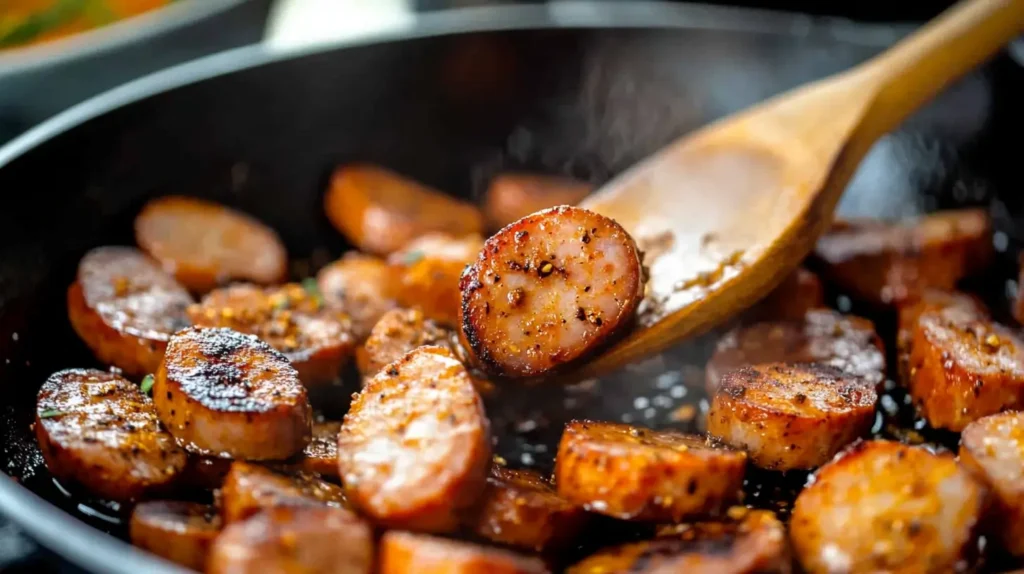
{"x": 28, "y": 22}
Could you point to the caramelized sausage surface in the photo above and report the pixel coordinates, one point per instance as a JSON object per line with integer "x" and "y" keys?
{"x": 883, "y": 506}
{"x": 887, "y": 263}
{"x": 428, "y": 270}
{"x": 398, "y": 332}
{"x": 408, "y": 553}
{"x": 321, "y": 454}
{"x": 363, "y": 286}
{"x": 823, "y": 336}
{"x": 205, "y": 244}
{"x": 791, "y": 416}
{"x": 303, "y": 540}
{"x": 316, "y": 339}
{"x": 98, "y": 430}
{"x": 963, "y": 367}
{"x": 520, "y": 508}
{"x": 223, "y": 393}
{"x": 380, "y": 211}
{"x": 125, "y": 308}
{"x": 548, "y": 290}
{"x": 928, "y": 300}
{"x": 635, "y": 473}
{"x": 512, "y": 196}
{"x": 181, "y": 532}
{"x": 993, "y": 449}
{"x": 249, "y": 488}
{"x": 415, "y": 445}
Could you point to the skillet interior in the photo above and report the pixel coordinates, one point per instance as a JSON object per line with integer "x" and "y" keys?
{"x": 585, "y": 102}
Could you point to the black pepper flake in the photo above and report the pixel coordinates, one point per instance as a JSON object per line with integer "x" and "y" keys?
{"x": 581, "y": 314}
{"x": 585, "y": 238}
{"x": 393, "y": 372}
{"x": 586, "y": 289}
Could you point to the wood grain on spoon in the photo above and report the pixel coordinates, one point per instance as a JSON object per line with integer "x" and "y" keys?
{"x": 728, "y": 211}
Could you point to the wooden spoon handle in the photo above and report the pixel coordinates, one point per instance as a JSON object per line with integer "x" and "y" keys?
{"x": 917, "y": 68}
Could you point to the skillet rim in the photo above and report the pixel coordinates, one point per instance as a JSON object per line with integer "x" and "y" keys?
{"x": 92, "y": 549}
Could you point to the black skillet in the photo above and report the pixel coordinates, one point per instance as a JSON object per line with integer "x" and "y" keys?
{"x": 580, "y": 89}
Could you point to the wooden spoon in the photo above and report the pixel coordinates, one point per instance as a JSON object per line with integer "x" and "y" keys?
{"x": 725, "y": 213}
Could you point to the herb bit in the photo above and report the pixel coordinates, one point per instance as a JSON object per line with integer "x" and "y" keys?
{"x": 51, "y": 413}
{"x": 413, "y": 257}
{"x": 147, "y": 384}
{"x": 313, "y": 289}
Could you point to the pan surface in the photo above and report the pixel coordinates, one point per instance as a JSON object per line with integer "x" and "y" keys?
{"x": 577, "y": 88}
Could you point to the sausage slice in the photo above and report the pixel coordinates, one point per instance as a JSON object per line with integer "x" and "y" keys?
{"x": 520, "y": 508}
{"x": 791, "y": 416}
{"x": 304, "y": 539}
{"x": 205, "y": 244}
{"x": 752, "y": 542}
{"x": 887, "y": 263}
{"x": 363, "y": 286}
{"x": 125, "y": 308}
{"x": 800, "y": 292}
{"x": 512, "y": 196}
{"x": 380, "y": 211}
{"x": 249, "y": 488}
{"x": 993, "y": 449}
{"x": 181, "y": 532}
{"x": 398, "y": 332}
{"x": 882, "y": 506}
{"x": 321, "y": 454}
{"x": 635, "y": 473}
{"x": 823, "y": 336}
{"x": 408, "y": 553}
{"x": 428, "y": 270}
{"x": 315, "y": 338}
{"x": 98, "y": 430}
{"x": 963, "y": 367}
{"x": 928, "y": 300}
{"x": 222, "y": 393}
{"x": 415, "y": 445}
{"x": 548, "y": 290}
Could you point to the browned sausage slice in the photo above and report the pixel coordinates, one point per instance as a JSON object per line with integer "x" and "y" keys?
{"x": 380, "y": 211}
{"x": 963, "y": 367}
{"x": 249, "y": 488}
{"x": 428, "y": 270}
{"x": 398, "y": 332}
{"x": 315, "y": 338}
{"x": 520, "y": 508}
{"x": 226, "y": 394}
{"x": 801, "y": 291}
{"x": 635, "y": 473}
{"x": 887, "y": 263}
{"x": 993, "y": 449}
{"x": 181, "y": 532}
{"x": 363, "y": 286}
{"x": 125, "y": 308}
{"x": 754, "y": 542}
{"x": 549, "y": 290}
{"x": 408, "y": 553}
{"x": 98, "y": 430}
{"x": 882, "y": 506}
{"x": 928, "y": 300}
{"x": 205, "y": 244}
{"x": 321, "y": 454}
{"x": 415, "y": 445}
{"x": 299, "y": 539}
{"x": 512, "y": 196}
{"x": 791, "y": 416}
{"x": 823, "y": 336}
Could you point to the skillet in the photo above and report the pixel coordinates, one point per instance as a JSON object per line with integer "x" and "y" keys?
{"x": 575, "y": 88}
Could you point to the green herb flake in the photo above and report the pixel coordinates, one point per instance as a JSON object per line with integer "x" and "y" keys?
{"x": 313, "y": 289}
{"x": 412, "y": 257}
{"x": 147, "y": 384}
{"x": 51, "y": 413}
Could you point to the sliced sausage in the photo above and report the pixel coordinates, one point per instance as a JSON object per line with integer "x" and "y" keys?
{"x": 398, "y": 332}
{"x": 363, "y": 286}
{"x": 963, "y": 367}
{"x": 823, "y": 336}
{"x": 315, "y": 338}
{"x": 754, "y": 542}
{"x": 98, "y": 430}
{"x": 249, "y": 488}
{"x": 125, "y": 308}
{"x": 321, "y": 454}
{"x": 520, "y": 508}
{"x": 928, "y": 300}
{"x": 205, "y": 244}
{"x": 791, "y": 416}
{"x": 296, "y": 539}
{"x": 549, "y": 290}
{"x": 799, "y": 292}
{"x": 380, "y": 211}
{"x": 415, "y": 445}
{"x": 882, "y": 506}
{"x": 635, "y": 473}
{"x": 227, "y": 394}
{"x": 428, "y": 270}
{"x": 408, "y": 553}
{"x": 181, "y": 532}
{"x": 886, "y": 263}
{"x": 993, "y": 449}
{"x": 512, "y": 196}
{"x": 205, "y": 472}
